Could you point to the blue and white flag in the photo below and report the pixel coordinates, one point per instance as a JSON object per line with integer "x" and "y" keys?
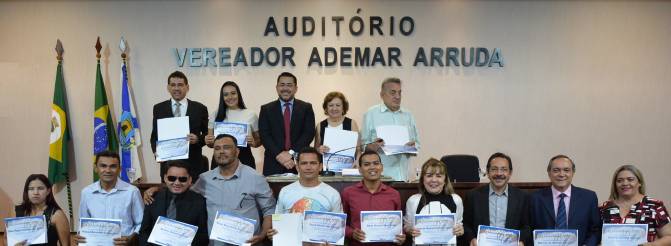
{"x": 128, "y": 128}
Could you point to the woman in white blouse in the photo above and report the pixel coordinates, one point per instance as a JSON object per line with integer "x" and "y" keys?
{"x": 436, "y": 196}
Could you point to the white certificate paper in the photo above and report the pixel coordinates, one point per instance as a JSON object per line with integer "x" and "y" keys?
{"x": 381, "y": 226}
{"x": 231, "y": 228}
{"x": 99, "y": 231}
{"x": 395, "y": 137}
{"x": 237, "y": 130}
{"x": 172, "y": 142}
{"x": 171, "y": 232}
{"x": 556, "y": 237}
{"x": 497, "y": 236}
{"x": 337, "y": 162}
{"x": 624, "y": 234}
{"x": 435, "y": 229}
{"x": 32, "y": 229}
{"x": 320, "y": 227}
{"x": 289, "y": 229}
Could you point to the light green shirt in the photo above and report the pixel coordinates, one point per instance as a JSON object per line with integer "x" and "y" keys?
{"x": 395, "y": 166}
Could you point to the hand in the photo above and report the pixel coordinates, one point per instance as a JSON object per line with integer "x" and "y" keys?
{"x": 411, "y": 144}
{"x": 474, "y": 242}
{"x": 285, "y": 159}
{"x": 193, "y": 139}
{"x": 209, "y": 139}
{"x": 271, "y": 233}
{"x": 400, "y": 239}
{"x": 289, "y": 164}
{"x": 22, "y": 243}
{"x": 148, "y": 195}
{"x": 323, "y": 149}
{"x": 256, "y": 239}
{"x": 458, "y": 230}
{"x": 415, "y": 232}
{"x": 520, "y": 243}
{"x": 79, "y": 239}
{"x": 250, "y": 140}
{"x": 358, "y": 235}
{"x": 375, "y": 146}
{"x": 122, "y": 241}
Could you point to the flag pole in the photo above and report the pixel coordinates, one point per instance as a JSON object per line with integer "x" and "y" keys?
{"x": 59, "y": 57}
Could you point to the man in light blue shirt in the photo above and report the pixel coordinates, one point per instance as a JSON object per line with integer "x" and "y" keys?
{"x": 112, "y": 198}
{"x": 385, "y": 114}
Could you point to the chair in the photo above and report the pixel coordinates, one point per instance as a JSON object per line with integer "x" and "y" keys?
{"x": 462, "y": 168}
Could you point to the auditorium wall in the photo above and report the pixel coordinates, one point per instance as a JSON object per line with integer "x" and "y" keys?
{"x": 589, "y": 79}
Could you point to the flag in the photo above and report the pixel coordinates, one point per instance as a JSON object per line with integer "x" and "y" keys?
{"x": 60, "y": 131}
{"x": 104, "y": 137}
{"x": 129, "y": 129}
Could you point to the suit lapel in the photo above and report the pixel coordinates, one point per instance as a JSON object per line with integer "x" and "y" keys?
{"x": 572, "y": 205}
{"x": 483, "y": 207}
{"x": 294, "y": 119}
{"x": 548, "y": 204}
{"x": 512, "y": 207}
{"x": 189, "y": 110}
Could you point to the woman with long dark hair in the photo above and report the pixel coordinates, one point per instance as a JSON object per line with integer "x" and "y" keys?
{"x": 38, "y": 199}
{"x": 232, "y": 109}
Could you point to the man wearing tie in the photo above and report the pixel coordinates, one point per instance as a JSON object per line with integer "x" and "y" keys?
{"x": 565, "y": 206}
{"x": 179, "y": 106}
{"x": 286, "y": 125}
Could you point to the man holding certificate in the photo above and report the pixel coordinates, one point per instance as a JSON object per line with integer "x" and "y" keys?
{"x": 176, "y": 202}
{"x": 369, "y": 195}
{"x": 179, "y": 106}
{"x": 390, "y": 115}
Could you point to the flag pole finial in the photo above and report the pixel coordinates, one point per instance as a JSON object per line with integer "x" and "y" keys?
{"x": 123, "y": 48}
{"x": 59, "y": 50}
{"x": 98, "y": 47}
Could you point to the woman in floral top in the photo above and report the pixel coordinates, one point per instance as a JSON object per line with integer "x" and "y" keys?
{"x": 628, "y": 204}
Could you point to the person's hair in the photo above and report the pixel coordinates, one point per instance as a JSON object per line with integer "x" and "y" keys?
{"x": 433, "y": 165}
{"x": 26, "y": 205}
{"x": 106, "y": 153}
{"x": 499, "y": 155}
{"x": 388, "y": 81}
{"x": 220, "y": 136}
{"x": 221, "y": 114}
{"x": 368, "y": 152}
{"x": 559, "y": 157}
{"x": 613, "y": 190}
{"x": 332, "y": 95}
{"x": 178, "y": 74}
{"x": 287, "y": 74}
{"x": 309, "y": 150}
{"x": 179, "y": 164}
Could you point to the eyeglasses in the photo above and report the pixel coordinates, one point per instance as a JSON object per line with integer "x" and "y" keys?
{"x": 496, "y": 170}
{"x": 182, "y": 179}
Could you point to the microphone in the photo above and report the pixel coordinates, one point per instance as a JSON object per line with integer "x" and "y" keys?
{"x": 328, "y": 172}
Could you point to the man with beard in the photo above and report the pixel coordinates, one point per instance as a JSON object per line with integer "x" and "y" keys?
{"x": 497, "y": 204}
{"x": 295, "y": 132}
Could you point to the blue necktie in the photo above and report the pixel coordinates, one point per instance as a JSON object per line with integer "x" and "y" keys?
{"x": 561, "y": 222}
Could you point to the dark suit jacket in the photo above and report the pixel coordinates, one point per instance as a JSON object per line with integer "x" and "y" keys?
{"x": 191, "y": 209}
{"x": 271, "y": 129}
{"x": 583, "y": 213}
{"x": 197, "y": 113}
{"x": 476, "y": 212}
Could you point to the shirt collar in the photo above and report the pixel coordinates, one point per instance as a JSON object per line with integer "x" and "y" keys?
{"x": 120, "y": 185}
{"x": 555, "y": 192}
{"x": 384, "y": 108}
{"x": 282, "y": 102}
{"x": 236, "y": 174}
{"x": 182, "y": 102}
{"x": 493, "y": 192}
{"x": 383, "y": 187}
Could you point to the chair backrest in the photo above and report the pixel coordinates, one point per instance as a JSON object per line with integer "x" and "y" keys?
{"x": 462, "y": 168}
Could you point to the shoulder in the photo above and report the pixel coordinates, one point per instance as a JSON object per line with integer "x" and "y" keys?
{"x": 193, "y": 196}
{"x": 538, "y": 194}
{"x": 90, "y": 188}
{"x": 327, "y": 188}
{"x": 195, "y": 103}
{"x": 301, "y": 102}
{"x": 373, "y": 109}
{"x": 270, "y": 104}
{"x": 652, "y": 202}
{"x": 607, "y": 205}
{"x": 583, "y": 192}
{"x": 162, "y": 104}
{"x": 456, "y": 198}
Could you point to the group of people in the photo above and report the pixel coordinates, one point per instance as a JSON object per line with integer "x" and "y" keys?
{"x": 283, "y": 126}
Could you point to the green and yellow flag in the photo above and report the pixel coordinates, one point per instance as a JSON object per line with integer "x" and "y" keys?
{"x": 60, "y": 131}
{"x": 104, "y": 137}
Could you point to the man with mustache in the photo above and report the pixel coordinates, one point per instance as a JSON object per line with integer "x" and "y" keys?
{"x": 286, "y": 125}
{"x": 112, "y": 198}
{"x": 177, "y": 202}
{"x": 497, "y": 204}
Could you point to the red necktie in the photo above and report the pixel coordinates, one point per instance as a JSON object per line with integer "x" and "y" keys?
{"x": 287, "y": 126}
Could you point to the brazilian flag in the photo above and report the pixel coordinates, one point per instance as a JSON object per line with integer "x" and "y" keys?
{"x": 60, "y": 131}
{"x": 104, "y": 137}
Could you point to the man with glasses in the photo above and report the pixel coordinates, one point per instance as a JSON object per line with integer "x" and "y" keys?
{"x": 497, "y": 204}
{"x": 177, "y": 202}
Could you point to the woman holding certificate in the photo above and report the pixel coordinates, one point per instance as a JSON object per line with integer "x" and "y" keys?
{"x": 335, "y": 107}
{"x": 628, "y": 204}
{"x": 232, "y": 117}
{"x": 39, "y": 200}
{"x": 436, "y": 197}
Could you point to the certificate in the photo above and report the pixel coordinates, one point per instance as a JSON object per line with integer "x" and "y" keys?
{"x": 556, "y": 237}
{"x": 231, "y": 228}
{"x": 172, "y": 142}
{"x": 497, "y": 236}
{"x": 99, "y": 231}
{"x": 289, "y": 229}
{"x": 320, "y": 227}
{"x": 336, "y": 162}
{"x": 395, "y": 137}
{"x": 624, "y": 234}
{"x": 381, "y": 226}
{"x": 435, "y": 229}
{"x": 32, "y": 229}
{"x": 344, "y": 143}
{"x": 237, "y": 130}
{"x": 171, "y": 232}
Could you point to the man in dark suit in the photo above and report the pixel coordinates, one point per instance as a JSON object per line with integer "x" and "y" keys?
{"x": 176, "y": 202}
{"x": 565, "y": 206}
{"x": 286, "y": 125}
{"x": 178, "y": 106}
{"x": 497, "y": 204}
